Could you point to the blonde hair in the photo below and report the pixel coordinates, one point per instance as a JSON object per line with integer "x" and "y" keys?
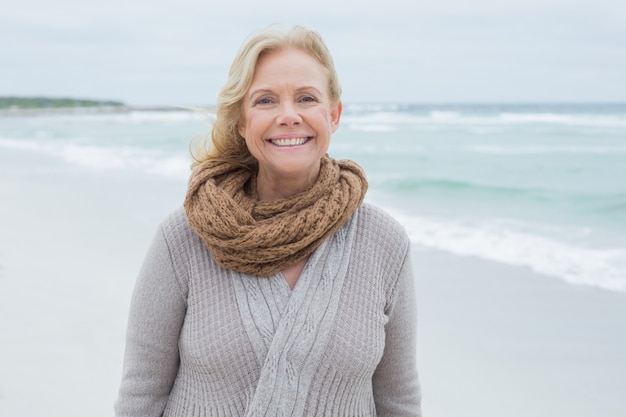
{"x": 227, "y": 144}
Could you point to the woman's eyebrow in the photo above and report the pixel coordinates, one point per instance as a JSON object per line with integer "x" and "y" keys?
{"x": 268, "y": 90}
{"x": 309, "y": 87}
{"x": 259, "y": 91}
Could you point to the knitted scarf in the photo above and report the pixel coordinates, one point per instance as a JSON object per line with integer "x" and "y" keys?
{"x": 263, "y": 237}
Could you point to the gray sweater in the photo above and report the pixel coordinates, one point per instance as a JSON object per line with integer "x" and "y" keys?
{"x": 206, "y": 341}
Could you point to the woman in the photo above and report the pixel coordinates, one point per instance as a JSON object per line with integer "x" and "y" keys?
{"x": 275, "y": 291}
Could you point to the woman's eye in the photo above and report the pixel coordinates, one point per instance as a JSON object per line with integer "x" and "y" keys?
{"x": 308, "y": 99}
{"x": 264, "y": 100}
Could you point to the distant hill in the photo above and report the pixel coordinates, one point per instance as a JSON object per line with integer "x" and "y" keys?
{"x": 26, "y": 103}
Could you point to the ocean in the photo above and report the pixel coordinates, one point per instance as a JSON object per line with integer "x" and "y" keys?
{"x": 537, "y": 186}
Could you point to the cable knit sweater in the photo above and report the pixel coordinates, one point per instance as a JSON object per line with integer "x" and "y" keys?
{"x": 206, "y": 341}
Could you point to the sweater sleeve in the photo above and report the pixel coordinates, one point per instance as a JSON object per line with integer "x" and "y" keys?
{"x": 395, "y": 382}
{"x": 156, "y": 316}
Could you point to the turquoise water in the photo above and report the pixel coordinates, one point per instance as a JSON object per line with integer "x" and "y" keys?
{"x": 541, "y": 186}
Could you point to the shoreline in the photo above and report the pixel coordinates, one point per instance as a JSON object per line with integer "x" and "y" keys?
{"x": 62, "y": 110}
{"x": 47, "y": 111}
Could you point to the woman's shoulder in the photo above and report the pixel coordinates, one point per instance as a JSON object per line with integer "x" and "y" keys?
{"x": 177, "y": 231}
{"x": 378, "y": 223}
{"x": 380, "y": 237}
{"x": 175, "y": 219}
{"x": 381, "y": 248}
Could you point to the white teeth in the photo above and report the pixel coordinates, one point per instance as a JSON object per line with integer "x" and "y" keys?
{"x": 289, "y": 142}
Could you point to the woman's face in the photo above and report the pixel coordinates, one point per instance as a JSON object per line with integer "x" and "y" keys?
{"x": 288, "y": 116}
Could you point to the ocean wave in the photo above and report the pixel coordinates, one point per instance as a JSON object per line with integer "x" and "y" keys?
{"x": 564, "y": 119}
{"x": 371, "y": 127}
{"x": 616, "y": 205}
{"x": 173, "y": 115}
{"x": 409, "y": 184}
{"x": 109, "y": 158}
{"x": 598, "y": 267}
{"x": 378, "y": 148}
{"x": 608, "y": 204}
{"x": 441, "y": 118}
{"x": 130, "y": 117}
{"x": 545, "y": 149}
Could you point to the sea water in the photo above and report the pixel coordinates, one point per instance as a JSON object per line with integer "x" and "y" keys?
{"x": 538, "y": 186}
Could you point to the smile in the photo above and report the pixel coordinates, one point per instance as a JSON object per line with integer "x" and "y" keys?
{"x": 290, "y": 141}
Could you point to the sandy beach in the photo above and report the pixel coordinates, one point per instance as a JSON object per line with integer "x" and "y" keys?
{"x": 494, "y": 340}
{"x": 70, "y": 248}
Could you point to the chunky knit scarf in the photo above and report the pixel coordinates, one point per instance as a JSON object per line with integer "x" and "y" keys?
{"x": 263, "y": 237}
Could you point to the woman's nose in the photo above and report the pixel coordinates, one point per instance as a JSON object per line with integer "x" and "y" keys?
{"x": 288, "y": 115}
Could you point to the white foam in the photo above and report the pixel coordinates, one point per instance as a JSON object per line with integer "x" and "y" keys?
{"x": 438, "y": 118}
{"x": 444, "y": 116}
{"x": 173, "y": 116}
{"x": 376, "y": 148}
{"x": 21, "y": 145}
{"x": 599, "y": 267}
{"x": 371, "y": 107}
{"x": 545, "y": 149}
{"x": 109, "y": 158}
{"x": 131, "y": 117}
{"x": 564, "y": 119}
{"x": 371, "y": 127}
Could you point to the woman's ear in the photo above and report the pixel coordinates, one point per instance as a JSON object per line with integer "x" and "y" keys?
{"x": 335, "y": 115}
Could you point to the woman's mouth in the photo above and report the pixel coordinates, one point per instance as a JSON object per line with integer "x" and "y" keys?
{"x": 290, "y": 141}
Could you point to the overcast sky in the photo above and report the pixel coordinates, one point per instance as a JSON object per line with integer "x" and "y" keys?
{"x": 150, "y": 52}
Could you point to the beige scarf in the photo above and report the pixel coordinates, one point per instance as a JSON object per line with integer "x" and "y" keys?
{"x": 263, "y": 237}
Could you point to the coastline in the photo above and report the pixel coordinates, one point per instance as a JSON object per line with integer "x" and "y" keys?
{"x": 61, "y": 110}
{"x": 48, "y": 111}
{"x": 494, "y": 340}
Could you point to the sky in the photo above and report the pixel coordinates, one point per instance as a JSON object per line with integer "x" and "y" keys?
{"x": 157, "y": 53}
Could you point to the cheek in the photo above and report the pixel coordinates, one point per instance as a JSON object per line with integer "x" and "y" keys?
{"x": 328, "y": 122}
{"x": 251, "y": 126}
{"x": 251, "y": 139}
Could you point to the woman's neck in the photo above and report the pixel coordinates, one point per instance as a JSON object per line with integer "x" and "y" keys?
{"x": 271, "y": 188}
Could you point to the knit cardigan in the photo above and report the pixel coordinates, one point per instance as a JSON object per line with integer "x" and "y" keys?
{"x": 207, "y": 341}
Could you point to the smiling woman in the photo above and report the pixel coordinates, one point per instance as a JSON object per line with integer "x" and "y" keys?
{"x": 289, "y": 119}
{"x": 276, "y": 291}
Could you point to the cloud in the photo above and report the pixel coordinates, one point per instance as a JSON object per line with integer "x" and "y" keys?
{"x": 154, "y": 52}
